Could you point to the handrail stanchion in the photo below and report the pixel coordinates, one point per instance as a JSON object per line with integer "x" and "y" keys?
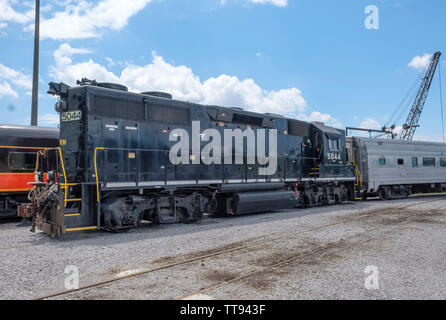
{"x": 98, "y": 198}
{"x": 285, "y": 161}
{"x": 137, "y": 154}
{"x": 165, "y": 167}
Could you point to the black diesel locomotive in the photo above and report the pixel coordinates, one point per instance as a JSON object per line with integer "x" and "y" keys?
{"x": 128, "y": 158}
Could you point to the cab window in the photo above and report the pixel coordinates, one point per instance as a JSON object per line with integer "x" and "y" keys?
{"x": 317, "y": 139}
{"x": 24, "y": 161}
{"x": 333, "y": 144}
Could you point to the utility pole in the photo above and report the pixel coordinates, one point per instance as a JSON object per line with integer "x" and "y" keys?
{"x": 35, "y": 92}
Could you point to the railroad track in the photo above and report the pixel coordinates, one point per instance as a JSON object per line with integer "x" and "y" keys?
{"x": 216, "y": 253}
{"x": 286, "y": 261}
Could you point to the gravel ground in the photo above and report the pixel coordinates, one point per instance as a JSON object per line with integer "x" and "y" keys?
{"x": 407, "y": 245}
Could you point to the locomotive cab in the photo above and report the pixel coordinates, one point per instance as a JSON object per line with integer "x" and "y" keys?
{"x": 328, "y": 151}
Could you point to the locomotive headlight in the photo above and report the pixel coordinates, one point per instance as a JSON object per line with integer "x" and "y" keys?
{"x": 60, "y": 106}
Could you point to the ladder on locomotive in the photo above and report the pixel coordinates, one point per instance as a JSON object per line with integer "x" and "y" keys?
{"x": 315, "y": 170}
{"x": 72, "y": 206}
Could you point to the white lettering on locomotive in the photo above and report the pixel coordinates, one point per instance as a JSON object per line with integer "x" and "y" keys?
{"x": 333, "y": 156}
{"x": 71, "y": 116}
{"x": 211, "y": 152}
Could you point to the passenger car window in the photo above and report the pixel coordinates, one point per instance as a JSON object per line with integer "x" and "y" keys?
{"x": 22, "y": 161}
{"x": 442, "y": 162}
{"x": 400, "y": 162}
{"x": 428, "y": 162}
{"x": 414, "y": 162}
{"x": 382, "y": 161}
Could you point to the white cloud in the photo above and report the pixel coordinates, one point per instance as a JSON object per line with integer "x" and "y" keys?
{"x": 16, "y": 77}
{"x": 6, "y": 90}
{"x": 49, "y": 119}
{"x": 88, "y": 20}
{"x": 3, "y": 25}
{"x": 64, "y": 69}
{"x": 65, "y": 51}
{"x": 183, "y": 84}
{"x": 74, "y": 19}
{"x": 370, "y": 123}
{"x": 11, "y": 76}
{"x": 277, "y": 3}
{"x": 420, "y": 62}
{"x": 320, "y": 117}
{"x": 421, "y": 137}
{"x": 8, "y": 14}
{"x": 110, "y": 61}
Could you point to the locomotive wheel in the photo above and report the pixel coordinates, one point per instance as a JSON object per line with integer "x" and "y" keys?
{"x": 306, "y": 201}
{"x": 183, "y": 215}
{"x": 382, "y": 194}
{"x": 338, "y": 200}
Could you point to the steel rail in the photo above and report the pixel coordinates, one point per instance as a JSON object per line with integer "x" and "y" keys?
{"x": 288, "y": 260}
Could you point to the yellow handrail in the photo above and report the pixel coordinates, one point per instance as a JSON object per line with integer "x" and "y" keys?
{"x": 37, "y": 162}
{"x": 357, "y": 172}
{"x": 96, "y": 172}
{"x": 64, "y": 176}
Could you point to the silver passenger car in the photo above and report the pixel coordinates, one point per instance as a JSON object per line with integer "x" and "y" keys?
{"x": 395, "y": 169}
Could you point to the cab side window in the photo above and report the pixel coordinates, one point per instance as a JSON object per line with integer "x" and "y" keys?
{"x": 333, "y": 144}
{"x": 317, "y": 139}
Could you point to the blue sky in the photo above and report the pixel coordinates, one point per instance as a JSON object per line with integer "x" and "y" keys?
{"x": 313, "y": 60}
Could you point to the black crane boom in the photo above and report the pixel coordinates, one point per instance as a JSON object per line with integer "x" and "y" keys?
{"x": 411, "y": 123}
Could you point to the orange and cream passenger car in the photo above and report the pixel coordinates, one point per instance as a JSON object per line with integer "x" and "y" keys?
{"x": 19, "y": 147}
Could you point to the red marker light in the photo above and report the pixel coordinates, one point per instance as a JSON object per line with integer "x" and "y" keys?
{"x": 223, "y": 114}
{"x": 165, "y": 131}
